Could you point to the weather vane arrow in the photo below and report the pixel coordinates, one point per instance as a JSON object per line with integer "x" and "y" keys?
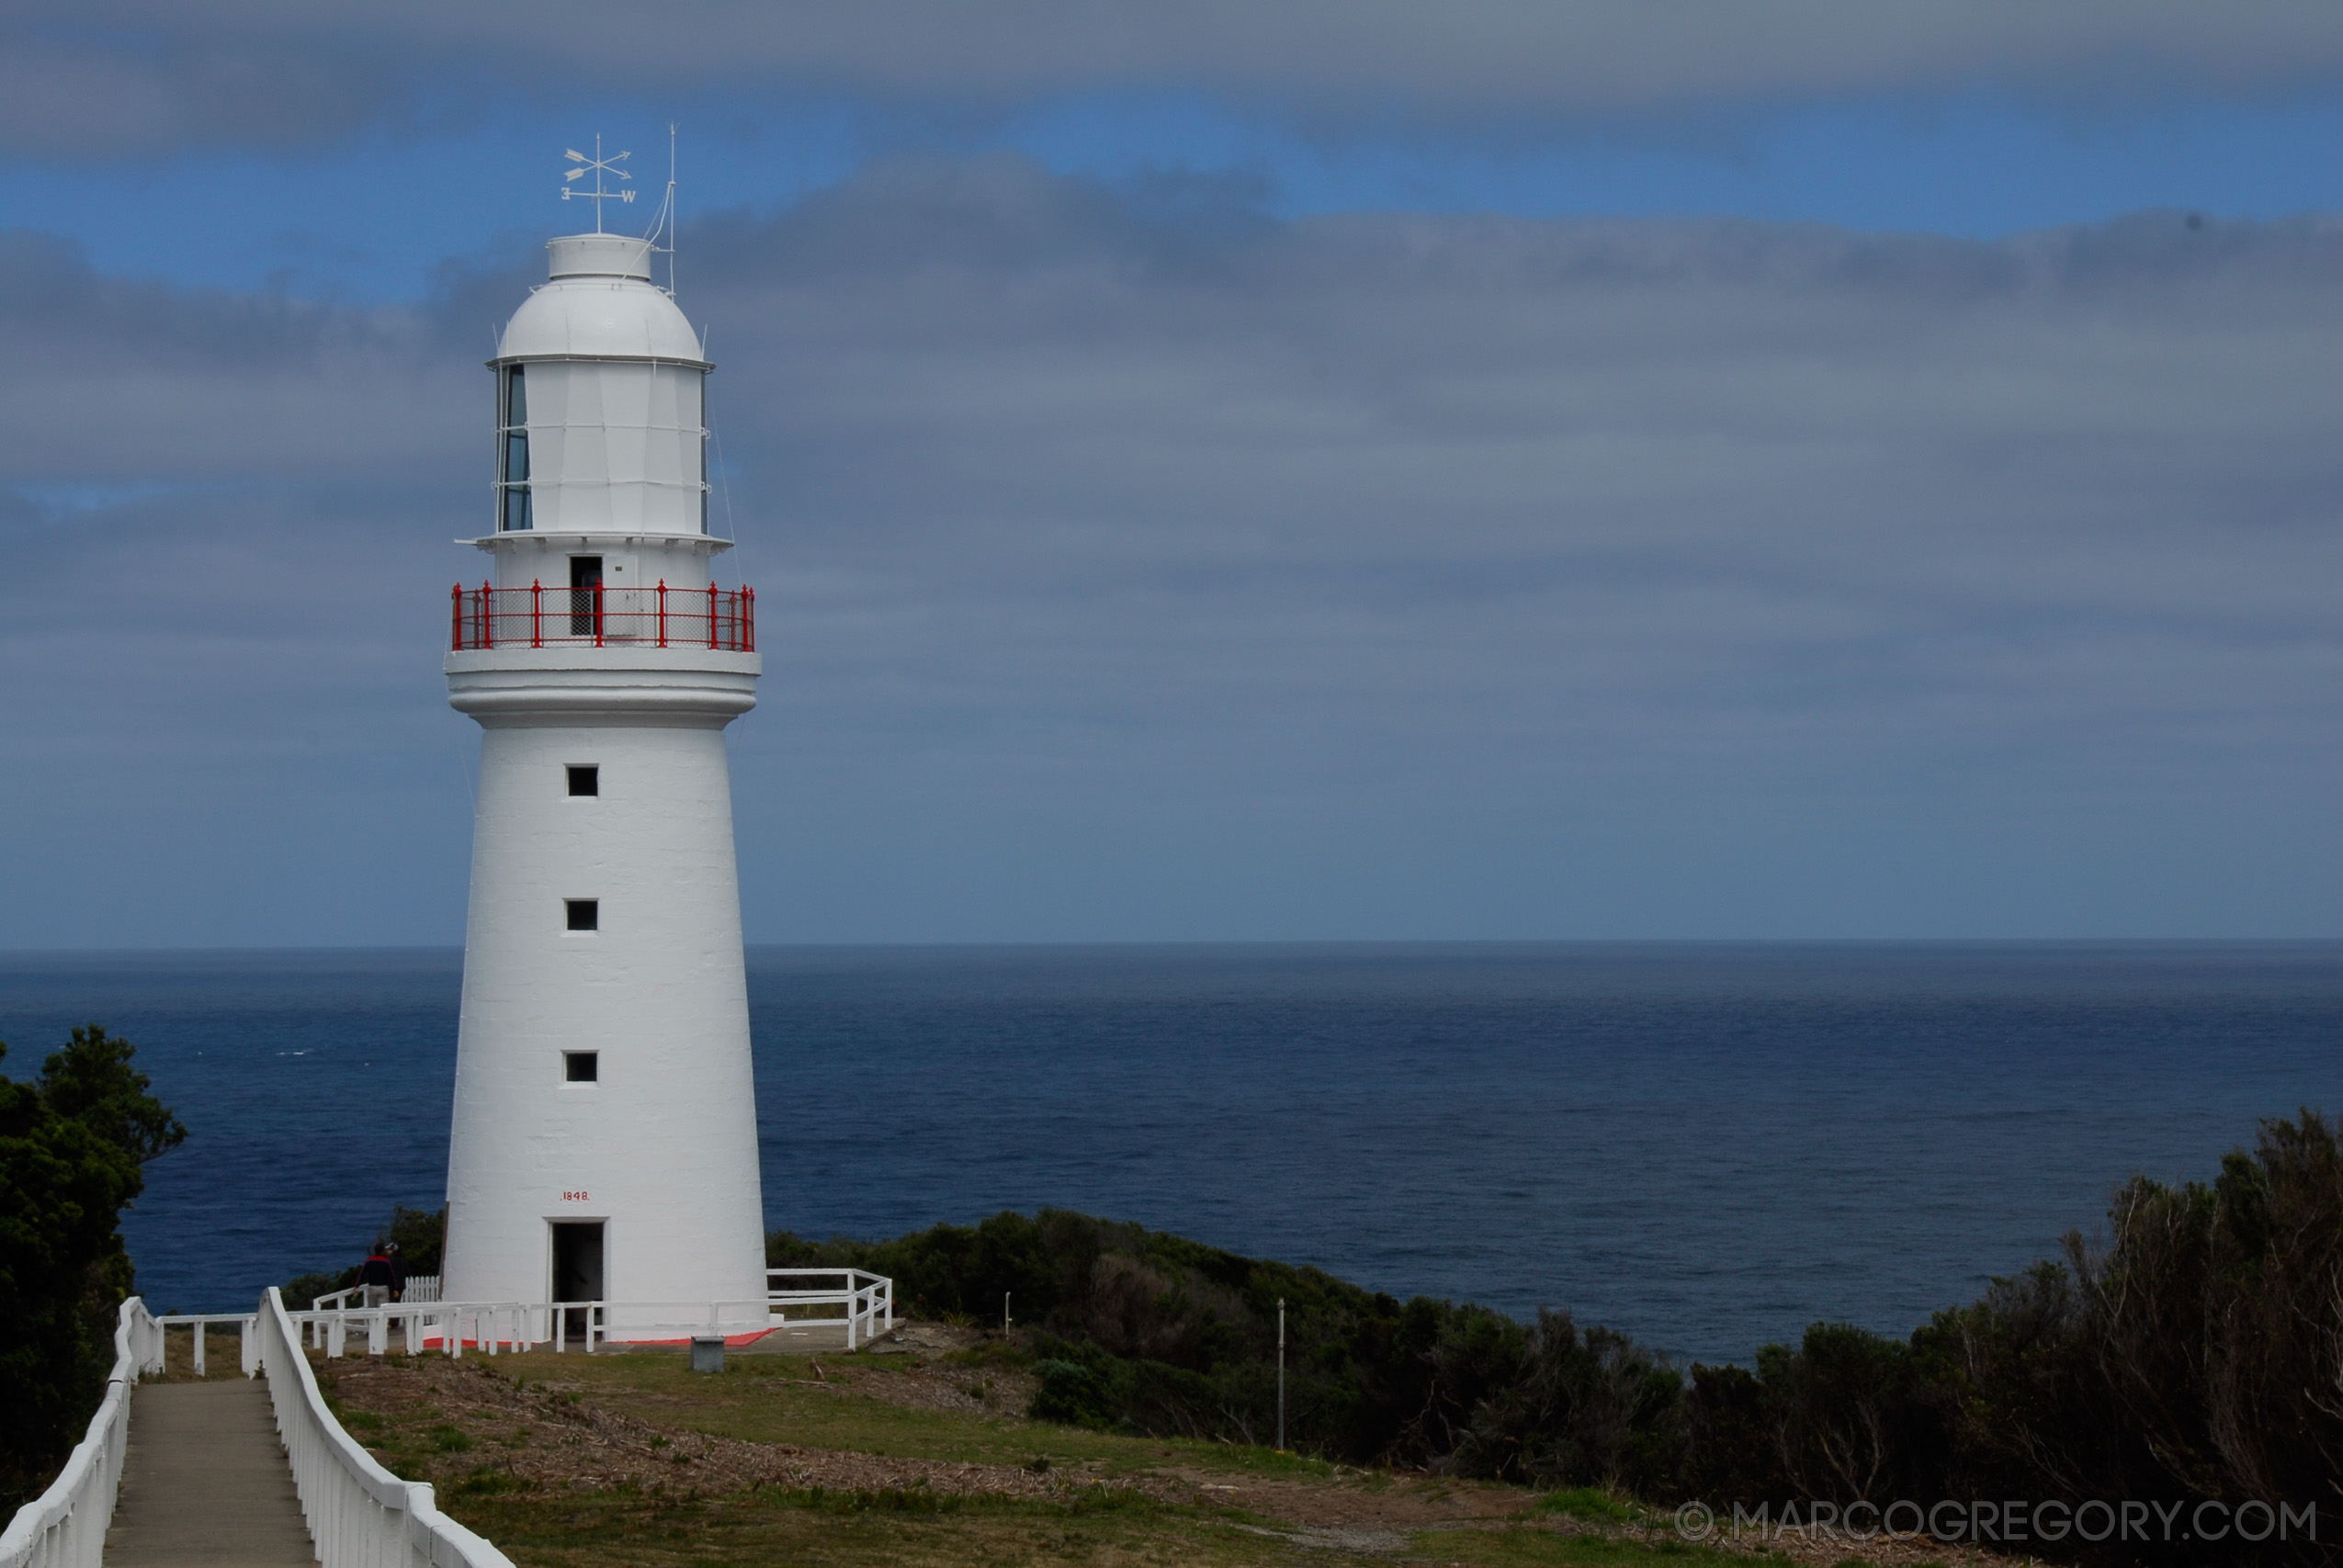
{"x": 599, "y": 166}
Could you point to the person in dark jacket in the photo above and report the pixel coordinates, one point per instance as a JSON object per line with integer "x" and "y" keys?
{"x": 383, "y": 1277}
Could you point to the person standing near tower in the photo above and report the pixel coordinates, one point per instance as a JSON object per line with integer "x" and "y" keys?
{"x": 604, "y": 1140}
{"x": 383, "y": 1277}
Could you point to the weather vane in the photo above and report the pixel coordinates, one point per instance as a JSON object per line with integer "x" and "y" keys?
{"x": 599, "y": 165}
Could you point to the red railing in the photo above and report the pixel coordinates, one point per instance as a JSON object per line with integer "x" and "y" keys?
{"x": 537, "y": 617}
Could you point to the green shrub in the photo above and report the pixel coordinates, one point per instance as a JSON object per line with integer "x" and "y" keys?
{"x": 1071, "y": 1394}
{"x": 303, "y": 1289}
{"x": 73, "y": 1145}
{"x": 421, "y": 1236}
{"x": 2193, "y": 1356}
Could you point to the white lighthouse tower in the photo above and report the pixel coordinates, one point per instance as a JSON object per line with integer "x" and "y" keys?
{"x": 603, "y": 1144}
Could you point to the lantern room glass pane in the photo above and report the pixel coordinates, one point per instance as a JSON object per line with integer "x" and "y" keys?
{"x": 513, "y": 473}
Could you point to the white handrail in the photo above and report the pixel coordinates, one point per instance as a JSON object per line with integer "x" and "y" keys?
{"x": 493, "y": 1326}
{"x": 419, "y": 1288}
{"x": 196, "y": 1322}
{"x": 868, "y": 1298}
{"x": 360, "y": 1516}
{"x": 65, "y": 1526}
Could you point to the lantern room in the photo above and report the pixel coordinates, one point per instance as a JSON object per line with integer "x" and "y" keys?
{"x": 601, "y": 418}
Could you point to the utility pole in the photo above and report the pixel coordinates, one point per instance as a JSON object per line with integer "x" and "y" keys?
{"x": 1281, "y": 1374}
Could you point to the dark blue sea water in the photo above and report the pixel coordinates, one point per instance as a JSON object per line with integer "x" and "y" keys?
{"x": 1706, "y": 1145}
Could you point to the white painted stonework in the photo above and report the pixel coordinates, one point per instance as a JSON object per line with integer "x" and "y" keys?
{"x": 662, "y": 1148}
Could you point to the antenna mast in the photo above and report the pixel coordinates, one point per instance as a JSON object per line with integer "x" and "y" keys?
{"x": 664, "y": 226}
{"x": 667, "y": 211}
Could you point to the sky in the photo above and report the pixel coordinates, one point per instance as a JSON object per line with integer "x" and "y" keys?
{"x": 1638, "y": 468}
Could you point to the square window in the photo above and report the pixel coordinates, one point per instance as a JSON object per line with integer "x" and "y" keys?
{"x": 586, "y": 778}
{"x": 582, "y": 1066}
{"x": 585, "y": 914}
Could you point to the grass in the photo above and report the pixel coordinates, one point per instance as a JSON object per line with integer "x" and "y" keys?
{"x": 223, "y": 1354}
{"x": 779, "y": 1399}
{"x": 770, "y": 1399}
{"x": 1518, "y": 1547}
{"x": 770, "y": 1527}
{"x": 1588, "y": 1503}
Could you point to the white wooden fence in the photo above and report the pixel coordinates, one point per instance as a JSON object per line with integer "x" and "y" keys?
{"x": 865, "y": 1304}
{"x": 421, "y": 1287}
{"x": 360, "y": 1515}
{"x": 248, "y": 1348}
{"x": 868, "y": 1300}
{"x": 443, "y": 1325}
{"x": 65, "y": 1526}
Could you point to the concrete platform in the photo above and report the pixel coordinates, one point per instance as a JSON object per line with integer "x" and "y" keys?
{"x": 204, "y": 1482}
{"x": 798, "y": 1339}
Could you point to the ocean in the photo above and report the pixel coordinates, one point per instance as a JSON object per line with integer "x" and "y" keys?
{"x": 1707, "y": 1146}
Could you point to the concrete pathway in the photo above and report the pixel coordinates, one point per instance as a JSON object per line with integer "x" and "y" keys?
{"x": 798, "y": 1339}
{"x": 204, "y": 1482}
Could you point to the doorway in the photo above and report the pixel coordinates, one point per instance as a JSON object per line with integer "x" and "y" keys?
{"x": 577, "y": 1269}
{"x": 585, "y": 596}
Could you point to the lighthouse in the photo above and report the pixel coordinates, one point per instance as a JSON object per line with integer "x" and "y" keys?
{"x": 603, "y": 1139}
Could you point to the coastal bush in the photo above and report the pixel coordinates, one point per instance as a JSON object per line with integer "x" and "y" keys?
{"x": 73, "y": 1143}
{"x": 1175, "y": 1338}
{"x": 302, "y": 1288}
{"x": 2192, "y": 1354}
{"x": 421, "y": 1236}
{"x": 1070, "y": 1394}
{"x": 1582, "y": 1410}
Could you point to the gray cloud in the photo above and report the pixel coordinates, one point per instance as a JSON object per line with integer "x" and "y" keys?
{"x": 120, "y": 381}
{"x": 166, "y": 87}
{"x": 103, "y": 76}
{"x": 1132, "y": 576}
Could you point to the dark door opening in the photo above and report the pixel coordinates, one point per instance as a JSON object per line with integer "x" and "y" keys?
{"x": 585, "y": 596}
{"x": 577, "y": 1269}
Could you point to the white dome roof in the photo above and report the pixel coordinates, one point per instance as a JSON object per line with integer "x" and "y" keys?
{"x": 600, "y": 304}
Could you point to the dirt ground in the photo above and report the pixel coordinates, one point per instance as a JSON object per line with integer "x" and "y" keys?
{"x": 544, "y": 1436}
{"x": 454, "y": 1423}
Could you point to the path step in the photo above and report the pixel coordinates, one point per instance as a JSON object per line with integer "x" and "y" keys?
{"x": 204, "y": 1482}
